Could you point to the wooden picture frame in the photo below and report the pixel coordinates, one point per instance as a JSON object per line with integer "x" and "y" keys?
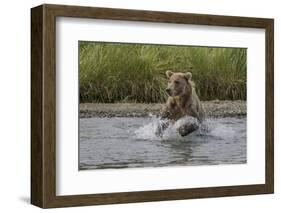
{"x": 43, "y": 105}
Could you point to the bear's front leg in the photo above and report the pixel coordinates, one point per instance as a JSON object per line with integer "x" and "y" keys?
{"x": 162, "y": 126}
{"x": 187, "y": 128}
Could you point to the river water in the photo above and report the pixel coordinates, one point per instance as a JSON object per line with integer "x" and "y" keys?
{"x": 129, "y": 142}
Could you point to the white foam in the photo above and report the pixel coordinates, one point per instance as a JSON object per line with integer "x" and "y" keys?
{"x": 149, "y": 131}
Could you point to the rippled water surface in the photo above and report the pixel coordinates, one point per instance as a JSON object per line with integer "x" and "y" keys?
{"x": 126, "y": 142}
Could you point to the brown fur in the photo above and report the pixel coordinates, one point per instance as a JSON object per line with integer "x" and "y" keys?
{"x": 182, "y": 99}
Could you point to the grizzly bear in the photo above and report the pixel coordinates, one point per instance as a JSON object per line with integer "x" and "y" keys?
{"x": 182, "y": 101}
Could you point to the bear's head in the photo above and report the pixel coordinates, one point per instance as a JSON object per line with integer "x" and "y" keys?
{"x": 179, "y": 83}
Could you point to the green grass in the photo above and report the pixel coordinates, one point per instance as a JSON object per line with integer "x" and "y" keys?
{"x": 112, "y": 72}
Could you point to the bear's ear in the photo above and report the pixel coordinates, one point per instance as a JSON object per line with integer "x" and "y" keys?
{"x": 188, "y": 75}
{"x": 169, "y": 73}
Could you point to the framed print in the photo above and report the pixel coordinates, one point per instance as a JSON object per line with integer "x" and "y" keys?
{"x": 136, "y": 106}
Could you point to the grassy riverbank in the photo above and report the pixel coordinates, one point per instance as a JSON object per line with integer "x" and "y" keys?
{"x": 111, "y": 72}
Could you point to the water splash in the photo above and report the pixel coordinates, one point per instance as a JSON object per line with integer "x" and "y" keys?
{"x": 161, "y": 129}
{"x": 220, "y": 130}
